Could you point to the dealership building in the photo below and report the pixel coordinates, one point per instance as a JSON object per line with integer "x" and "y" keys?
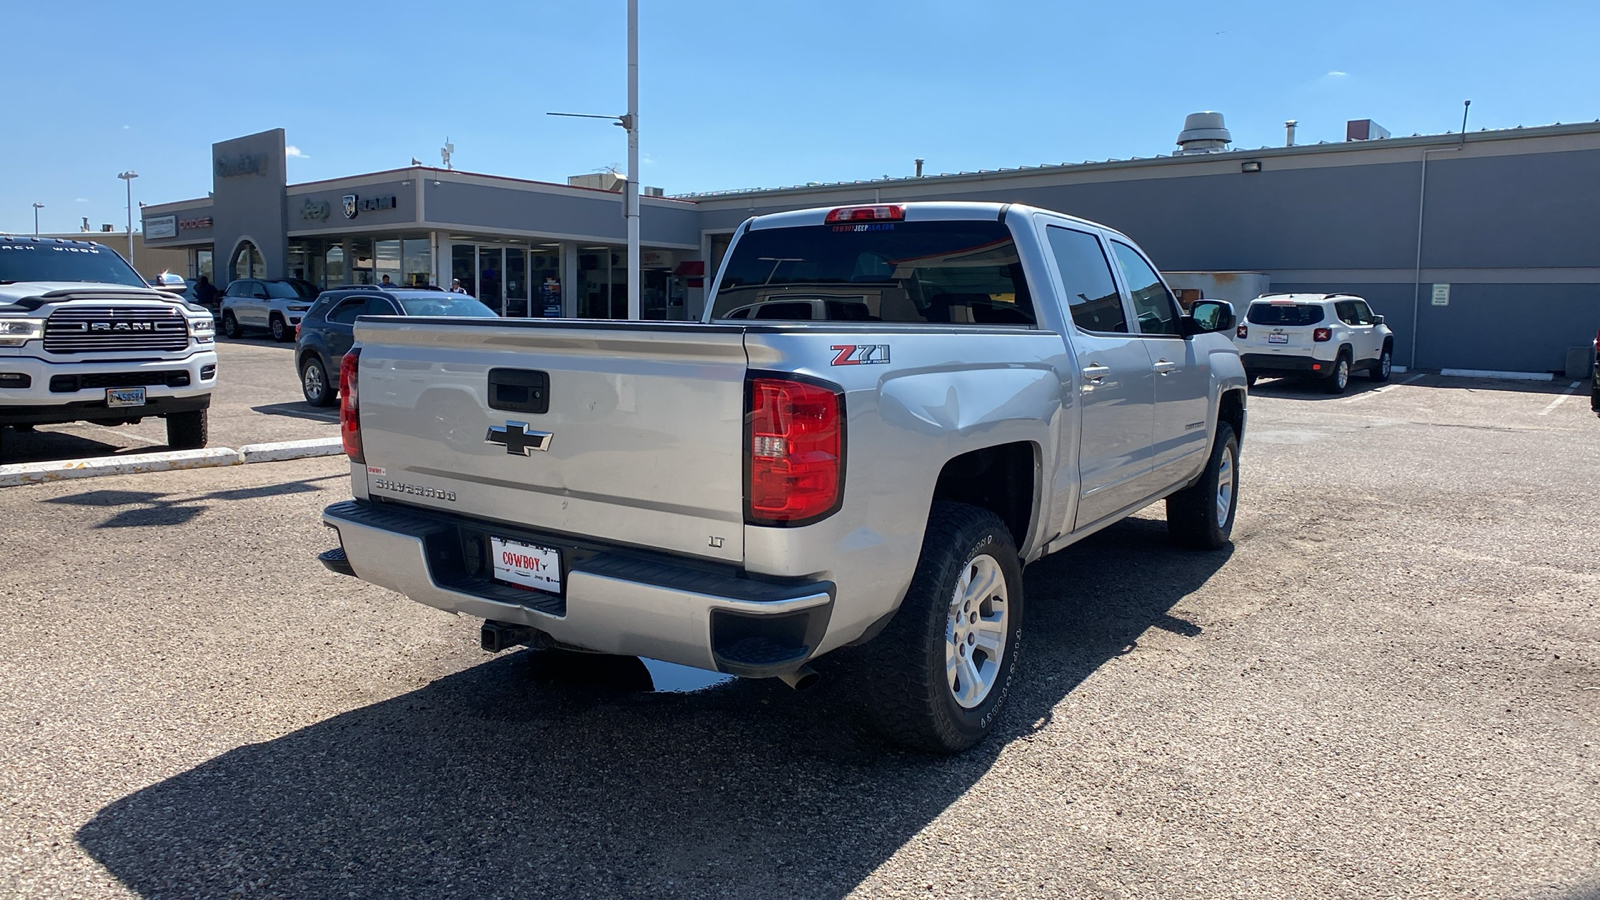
{"x": 1482, "y": 251}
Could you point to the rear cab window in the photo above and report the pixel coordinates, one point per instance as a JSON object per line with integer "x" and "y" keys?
{"x": 940, "y": 272}
{"x": 1284, "y": 312}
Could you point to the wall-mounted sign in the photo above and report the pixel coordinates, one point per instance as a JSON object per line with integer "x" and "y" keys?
{"x": 315, "y": 210}
{"x": 192, "y": 224}
{"x": 161, "y": 227}
{"x": 1441, "y": 295}
{"x": 354, "y": 204}
{"x": 241, "y": 164}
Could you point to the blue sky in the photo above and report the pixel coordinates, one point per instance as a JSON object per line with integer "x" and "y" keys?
{"x": 738, "y": 94}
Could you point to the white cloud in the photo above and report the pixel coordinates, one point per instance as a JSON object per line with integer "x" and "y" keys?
{"x": 1338, "y": 74}
{"x": 294, "y": 152}
{"x": 127, "y": 128}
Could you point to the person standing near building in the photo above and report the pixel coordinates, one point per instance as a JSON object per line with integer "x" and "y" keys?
{"x": 205, "y": 292}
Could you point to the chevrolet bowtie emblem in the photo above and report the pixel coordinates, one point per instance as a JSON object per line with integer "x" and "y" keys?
{"x": 517, "y": 439}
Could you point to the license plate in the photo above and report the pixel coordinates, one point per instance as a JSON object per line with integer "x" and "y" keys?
{"x": 125, "y": 396}
{"x": 1277, "y": 339}
{"x": 526, "y": 565}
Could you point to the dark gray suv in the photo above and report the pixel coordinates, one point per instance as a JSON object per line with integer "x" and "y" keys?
{"x": 326, "y": 332}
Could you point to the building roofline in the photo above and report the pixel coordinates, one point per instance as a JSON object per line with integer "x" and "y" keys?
{"x": 1172, "y": 159}
{"x": 435, "y": 171}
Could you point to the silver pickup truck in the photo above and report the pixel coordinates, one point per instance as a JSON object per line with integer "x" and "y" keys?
{"x": 887, "y": 412}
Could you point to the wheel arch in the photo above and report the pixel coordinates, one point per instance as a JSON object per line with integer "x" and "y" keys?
{"x": 1002, "y": 478}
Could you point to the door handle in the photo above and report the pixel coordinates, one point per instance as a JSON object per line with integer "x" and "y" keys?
{"x": 1163, "y": 366}
{"x": 1096, "y": 372}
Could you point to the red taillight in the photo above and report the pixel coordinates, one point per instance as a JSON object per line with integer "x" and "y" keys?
{"x": 1242, "y": 332}
{"x": 349, "y": 407}
{"x": 867, "y": 214}
{"x": 795, "y": 441}
{"x": 1322, "y": 335}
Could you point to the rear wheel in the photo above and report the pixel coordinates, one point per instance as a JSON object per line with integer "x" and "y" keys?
{"x": 314, "y": 382}
{"x": 942, "y": 668}
{"x": 1201, "y": 515}
{"x": 187, "y": 430}
{"x": 1339, "y": 379}
{"x": 230, "y": 325}
{"x": 1384, "y": 364}
{"x": 280, "y": 329}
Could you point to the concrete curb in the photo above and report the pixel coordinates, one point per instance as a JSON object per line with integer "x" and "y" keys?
{"x": 282, "y": 450}
{"x": 1487, "y": 373}
{"x": 136, "y": 463}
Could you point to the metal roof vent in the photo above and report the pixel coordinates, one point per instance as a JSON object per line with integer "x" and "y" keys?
{"x": 1203, "y": 132}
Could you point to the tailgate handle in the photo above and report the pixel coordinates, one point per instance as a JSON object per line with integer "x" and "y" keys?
{"x": 519, "y": 390}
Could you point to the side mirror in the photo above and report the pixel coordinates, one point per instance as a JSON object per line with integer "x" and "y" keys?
{"x": 1207, "y": 317}
{"x": 170, "y": 282}
{"x": 1377, "y": 320}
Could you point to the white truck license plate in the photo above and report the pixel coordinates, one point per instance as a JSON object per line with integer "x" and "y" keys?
{"x": 125, "y": 396}
{"x": 526, "y": 565}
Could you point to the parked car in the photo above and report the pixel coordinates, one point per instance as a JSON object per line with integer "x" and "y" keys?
{"x": 745, "y": 496}
{"x": 274, "y": 305}
{"x": 1320, "y": 336}
{"x": 84, "y": 339}
{"x": 324, "y": 334}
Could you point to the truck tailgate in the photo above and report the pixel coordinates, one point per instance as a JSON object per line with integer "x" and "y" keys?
{"x": 645, "y": 427}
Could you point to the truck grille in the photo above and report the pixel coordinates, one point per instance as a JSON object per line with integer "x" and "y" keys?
{"x": 106, "y": 329}
{"x": 66, "y": 384}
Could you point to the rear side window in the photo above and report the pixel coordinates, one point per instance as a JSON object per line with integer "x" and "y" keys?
{"x": 935, "y": 272}
{"x": 1284, "y": 314}
{"x": 1086, "y": 277}
{"x": 345, "y": 313}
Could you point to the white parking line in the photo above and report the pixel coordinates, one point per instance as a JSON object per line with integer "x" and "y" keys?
{"x": 1571, "y": 389}
{"x": 126, "y": 434}
{"x": 1388, "y": 387}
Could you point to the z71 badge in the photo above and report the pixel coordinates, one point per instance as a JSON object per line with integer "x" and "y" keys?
{"x": 860, "y": 354}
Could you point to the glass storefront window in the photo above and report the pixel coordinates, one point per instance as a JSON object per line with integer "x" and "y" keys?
{"x": 361, "y": 261}
{"x": 334, "y": 273}
{"x": 416, "y": 266}
{"x": 602, "y": 283}
{"x": 386, "y": 261}
{"x": 202, "y": 265}
{"x": 463, "y": 268}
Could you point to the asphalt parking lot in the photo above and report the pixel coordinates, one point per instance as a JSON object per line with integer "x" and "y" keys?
{"x": 257, "y": 400}
{"x": 1389, "y": 686}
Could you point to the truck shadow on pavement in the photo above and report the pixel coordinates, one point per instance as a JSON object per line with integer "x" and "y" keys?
{"x": 489, "y": 782}
{"x": 142, "y": 509}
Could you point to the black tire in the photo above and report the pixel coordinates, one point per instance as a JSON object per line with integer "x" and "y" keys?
{"x": 230, "y": 326}
{"x": 187, "y": 430}
{"x": 1383, "y": 365}
{"x": 1192, "y": 513}
{"x": 280, "y": 329}
{"x": 314, "y": 382}
{"x": 908, "y": 689}
{"x": 1338, "y": 380}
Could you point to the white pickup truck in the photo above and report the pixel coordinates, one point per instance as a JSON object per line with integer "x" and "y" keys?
{"x": 888, "y": 411}
{"x": 84, "y": 339}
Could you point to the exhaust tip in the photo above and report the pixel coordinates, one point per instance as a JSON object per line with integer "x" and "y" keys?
{"x": 801, "y": 678}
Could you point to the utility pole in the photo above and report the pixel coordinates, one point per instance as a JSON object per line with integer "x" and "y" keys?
{"x": 128, "y": 177}
{"x": 36, "y": 208}
{"x": 635, "y": 310}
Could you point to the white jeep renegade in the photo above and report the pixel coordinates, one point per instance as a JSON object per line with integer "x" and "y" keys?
{"x": 1321, "y": 336}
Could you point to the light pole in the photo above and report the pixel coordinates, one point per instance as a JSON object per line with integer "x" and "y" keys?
{"x": 36, "y": 208}
{"x": 630, "y": 196}
{"x": 128, "y": 177}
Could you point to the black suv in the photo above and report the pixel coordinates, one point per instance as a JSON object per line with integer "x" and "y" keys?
{"x": 327, "y": 331}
